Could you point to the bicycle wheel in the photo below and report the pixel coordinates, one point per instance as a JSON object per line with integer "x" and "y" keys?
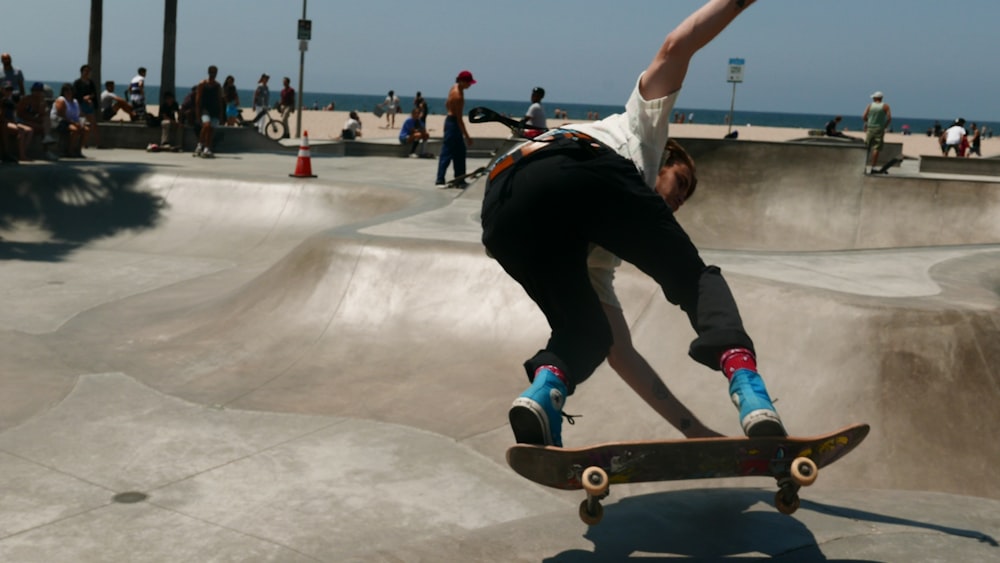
{"x": 275, "y": 130}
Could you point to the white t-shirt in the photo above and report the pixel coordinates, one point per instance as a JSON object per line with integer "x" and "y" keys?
{"x": 954, "y": 134}
{"x": 352, "y": 124}
{"x": 536, "y": 116}
{"x": 639, "y": 134}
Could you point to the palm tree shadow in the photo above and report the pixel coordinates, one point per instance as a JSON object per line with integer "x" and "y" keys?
{"x": 54, "y": 210}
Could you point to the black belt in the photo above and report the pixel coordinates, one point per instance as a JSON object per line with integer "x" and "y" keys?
{"x": 531, "y": 147}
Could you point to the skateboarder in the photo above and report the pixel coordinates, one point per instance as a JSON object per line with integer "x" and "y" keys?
{"x": 612, "y": 183}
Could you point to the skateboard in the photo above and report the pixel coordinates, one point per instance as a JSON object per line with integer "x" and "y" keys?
{"x": 885, "y": 167}
{"x": 794, "y": 462}
{"x": 153, "y": 147}
{"x": 465, "y": 180}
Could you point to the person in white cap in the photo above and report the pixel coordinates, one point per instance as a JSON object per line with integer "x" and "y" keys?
{"x": 877, "y": 118}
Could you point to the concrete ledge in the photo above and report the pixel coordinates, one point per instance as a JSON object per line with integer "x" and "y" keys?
{"x": 481, "y": 148}
{"x": 956, "y": 165}
{"x": 128, "y": 135}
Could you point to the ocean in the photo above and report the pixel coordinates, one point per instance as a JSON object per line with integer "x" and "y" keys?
{"x": 578, "y": 111}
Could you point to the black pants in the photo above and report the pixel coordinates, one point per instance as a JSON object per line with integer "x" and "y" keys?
{"x": 539, "y": 217}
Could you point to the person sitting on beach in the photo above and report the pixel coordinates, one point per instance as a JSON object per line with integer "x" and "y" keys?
{"x": 414, "y": 134}
{"x": 352, "y": 127}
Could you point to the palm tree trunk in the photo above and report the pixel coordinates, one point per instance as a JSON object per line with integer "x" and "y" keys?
{"x": 96, "y": 33}
{"x": 169, "y": 64}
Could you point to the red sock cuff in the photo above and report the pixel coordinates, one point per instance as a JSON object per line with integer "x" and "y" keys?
{"x": 559, "y": 373}
{"x": 736, "y": 359}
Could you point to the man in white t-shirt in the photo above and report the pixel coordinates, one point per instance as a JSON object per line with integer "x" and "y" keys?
{"x": 535, "y": 116}
{"x": 615, "y": 183}
{"x": 953, "y": 137}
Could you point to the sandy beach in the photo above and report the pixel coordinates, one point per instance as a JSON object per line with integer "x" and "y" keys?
{"x": 327, "y": 125}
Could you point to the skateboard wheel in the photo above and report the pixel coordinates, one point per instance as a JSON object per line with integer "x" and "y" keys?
{"x": 804, "y": 471}
{"x": 786, "y": 505}
{"x": 591, "y": 517}
{"x": 595, "y": 481}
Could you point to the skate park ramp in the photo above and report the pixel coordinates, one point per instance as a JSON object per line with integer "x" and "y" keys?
{"x": 211, "y": 361}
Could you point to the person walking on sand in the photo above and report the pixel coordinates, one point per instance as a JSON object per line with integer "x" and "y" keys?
{"x": 615, "y": 183}
{"x": 456, "y": 138}
{"x": 877, "y": 118}
{"x": 391, "y": 107}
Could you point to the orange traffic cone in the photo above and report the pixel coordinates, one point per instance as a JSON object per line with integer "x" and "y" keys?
{"x": 303, "y": 166}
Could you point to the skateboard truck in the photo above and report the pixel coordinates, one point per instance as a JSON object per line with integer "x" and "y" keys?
{"x": 595, "y": 482}
{"x": 801, "y": 473}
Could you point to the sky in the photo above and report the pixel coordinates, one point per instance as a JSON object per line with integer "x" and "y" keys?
{"x": 932, "y": 59}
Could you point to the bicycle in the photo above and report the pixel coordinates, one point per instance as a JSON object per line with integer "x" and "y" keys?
{"x": 274, "y": 129}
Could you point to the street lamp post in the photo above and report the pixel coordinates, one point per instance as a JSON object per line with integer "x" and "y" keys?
{"x": 305, "y": 34}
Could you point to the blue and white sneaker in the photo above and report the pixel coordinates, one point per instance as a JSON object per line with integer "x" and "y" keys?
{"x": 757, "y": 414}
{"x": 536, "y": 416}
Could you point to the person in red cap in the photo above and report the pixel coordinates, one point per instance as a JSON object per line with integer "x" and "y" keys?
{"x": 615, "y": 184}
{"x": 456, "y": 138}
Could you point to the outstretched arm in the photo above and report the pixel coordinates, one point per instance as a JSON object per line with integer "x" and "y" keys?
{"x": 665, "y": 74}
{"x": 643, "y": 379}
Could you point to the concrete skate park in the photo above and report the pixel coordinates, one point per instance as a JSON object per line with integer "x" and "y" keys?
{"x": 208, "y": 360}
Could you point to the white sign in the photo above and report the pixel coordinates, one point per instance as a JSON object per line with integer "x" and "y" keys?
{"x": 736, "y": 70}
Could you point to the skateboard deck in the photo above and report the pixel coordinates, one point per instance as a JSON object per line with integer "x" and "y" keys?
{"x": 464, "y": 180}
{"x": 793, "y": 461}
{"x": 885, "y": 167}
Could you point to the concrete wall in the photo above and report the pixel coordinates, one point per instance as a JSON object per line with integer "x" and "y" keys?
{"x": 954, "y": 165}
{"x": 802, "y": 196}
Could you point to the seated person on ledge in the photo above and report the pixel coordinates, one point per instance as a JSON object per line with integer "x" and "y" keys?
{"x": 414, "y": 134}
{"x": 111, "y": 103}
{"x": 831, "y": 128}
{"x": 352, "y": 127}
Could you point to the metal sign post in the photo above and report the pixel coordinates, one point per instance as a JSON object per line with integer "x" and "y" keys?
{"x": 304, "y": 35}
{"x": 735, "y": 76}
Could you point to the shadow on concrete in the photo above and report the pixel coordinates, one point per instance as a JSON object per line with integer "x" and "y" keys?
{"x": 734, "y": 524}
{"x": 876, "y": 518}
{"x": 59, "y": 208}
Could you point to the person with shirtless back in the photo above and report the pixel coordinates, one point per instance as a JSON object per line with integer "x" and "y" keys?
{"x": 456, "y": 138}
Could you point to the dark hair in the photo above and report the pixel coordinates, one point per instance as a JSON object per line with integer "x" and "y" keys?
{"x": 674, "y": 153}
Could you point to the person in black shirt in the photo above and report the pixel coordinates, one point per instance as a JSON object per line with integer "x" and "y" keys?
{"x": 209, "y": 107}
{"x": 169, "y": 122}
